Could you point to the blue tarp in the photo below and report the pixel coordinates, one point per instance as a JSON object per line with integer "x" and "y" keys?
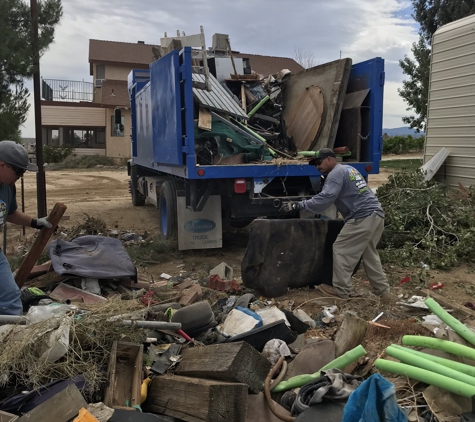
{"x": 373, "y": 401}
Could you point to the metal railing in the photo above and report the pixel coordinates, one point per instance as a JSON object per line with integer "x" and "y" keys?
{"x": 64, "y": 90}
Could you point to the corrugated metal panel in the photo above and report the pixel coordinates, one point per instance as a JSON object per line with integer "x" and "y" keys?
{"x": 218, "y": 98}
{"x": 451, "y": 105}
{"x": 73, "y": 116}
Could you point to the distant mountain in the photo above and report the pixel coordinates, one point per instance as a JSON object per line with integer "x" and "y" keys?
{"x": 402, "y": 131}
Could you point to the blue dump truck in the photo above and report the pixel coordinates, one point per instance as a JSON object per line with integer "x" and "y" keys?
{"x": 210, "y": 152}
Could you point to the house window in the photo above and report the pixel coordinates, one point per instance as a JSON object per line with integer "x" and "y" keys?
{"x": 114, "y": 131}
{"x": 100, "y": 75}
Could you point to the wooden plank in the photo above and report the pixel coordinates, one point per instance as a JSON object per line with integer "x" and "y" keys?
{"x": 195, "y": 399}
{"x": 233, "y": 362}
{"x": 40, "y": 243}
{"x": 46, "y": 280}
{"x": 124, "y": 375}
{"x": 204, "y": 119}
{"x": 243, "y": 98}
{"x": 305, "y": 120}
{"x": 65, "y": 291}
{"x": 62, "y": 407}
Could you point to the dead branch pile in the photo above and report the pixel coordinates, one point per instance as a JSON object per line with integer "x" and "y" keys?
{"x": 23, "y": 364}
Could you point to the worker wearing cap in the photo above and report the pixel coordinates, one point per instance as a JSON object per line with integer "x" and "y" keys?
{"x": 364, "y": 222}
{"x": 13, "y": 164}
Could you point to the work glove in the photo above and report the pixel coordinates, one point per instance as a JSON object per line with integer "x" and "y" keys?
{"x": 40, "y": 223}
{"x": 290, "y": 206}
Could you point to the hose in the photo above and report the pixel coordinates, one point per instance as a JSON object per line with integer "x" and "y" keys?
{"x": 458, "y": 366}
{"x": 452, "y": 322}
{"x": 420, "y": 362}
{"x": 281, "y": 375}
{"x": 441, "y": 381}
{"x": 269, "y": 400}
{"x": 338, "y": 363}
{"x": 435, "y": 343}
{"x": 144, "y": 389}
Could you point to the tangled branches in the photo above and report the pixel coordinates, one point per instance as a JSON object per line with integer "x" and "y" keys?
{"x": 427, "y": 222}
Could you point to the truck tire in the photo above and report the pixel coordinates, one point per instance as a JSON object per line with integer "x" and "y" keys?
{"x": 138, "y": 199}
{"x": 168, "y": 209}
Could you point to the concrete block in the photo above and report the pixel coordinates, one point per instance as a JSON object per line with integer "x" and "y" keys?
{"x": 223, "y": 270}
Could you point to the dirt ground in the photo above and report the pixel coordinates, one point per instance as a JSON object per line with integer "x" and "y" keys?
{"x": 104, "y": 194}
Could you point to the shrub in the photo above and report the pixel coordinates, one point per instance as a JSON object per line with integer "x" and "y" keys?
{"x": 402, "y": 144}
{"x": 55, "y": 153}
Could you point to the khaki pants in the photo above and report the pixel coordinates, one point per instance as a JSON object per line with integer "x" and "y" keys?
{"x": 358, "y": 238}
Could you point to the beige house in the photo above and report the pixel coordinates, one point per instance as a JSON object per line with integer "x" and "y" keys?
{"x": 81, "y": 114}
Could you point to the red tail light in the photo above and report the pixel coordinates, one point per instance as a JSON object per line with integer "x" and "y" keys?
{"x": 240, "y": 186}
{"x": 368, "y": 168}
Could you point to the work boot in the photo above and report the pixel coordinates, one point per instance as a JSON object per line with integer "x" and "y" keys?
{"x": 385, "y": 297}
{"x": 329, "y": 290}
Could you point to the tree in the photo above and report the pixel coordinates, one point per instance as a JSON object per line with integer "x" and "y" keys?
{"x": 304, "y": 58}
{"x": 16, "y": 55}
{"x": 430, "y": 14}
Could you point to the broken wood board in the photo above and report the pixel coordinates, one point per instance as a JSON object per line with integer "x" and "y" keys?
{"x": 195, "y": 399}
{"x": 350, "y": 334}
{"x": 43, "y": 236}
{"x": 204, "y": 119}
{"x": 124, "y": 375}
{"x": 64, "y": 292}
{"x": 62, "y": 407}
{"x": 332, "y": 78}
{"x": 233, "y": 362}
{"x": 304, "y": 122}
{"x": 46, "y": 280}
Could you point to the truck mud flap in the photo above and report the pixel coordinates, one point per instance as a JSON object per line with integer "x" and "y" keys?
{"x": 292, "y": 253}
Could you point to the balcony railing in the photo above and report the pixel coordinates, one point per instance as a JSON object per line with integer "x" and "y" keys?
{"x": 63, "y": 90}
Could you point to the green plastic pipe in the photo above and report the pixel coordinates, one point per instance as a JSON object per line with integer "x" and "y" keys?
{"x": 420, "y": 362}
{"x": 259, "y": 105}
{"x": 435, "y": 343}
{"x": 452, "y": 322}
{"x": 272, "y": 152}
{"x": 458, "y": 366}
{"x": 446, "y": 383}
{"x": 338, "y": 363}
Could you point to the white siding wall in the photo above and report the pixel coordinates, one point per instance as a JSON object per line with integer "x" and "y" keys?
{"x": 73, "y": 116}
{"x": 451, "y": 107}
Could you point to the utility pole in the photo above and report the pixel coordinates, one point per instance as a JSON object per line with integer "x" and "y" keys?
{"x": 40, "y": 176}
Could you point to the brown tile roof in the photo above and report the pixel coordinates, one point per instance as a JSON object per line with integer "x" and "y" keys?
{"x": 120, "y": 53}
{"x": 140, "y": 55}
{"x": 115, "y": 93}
{"x": 270, "y": 65}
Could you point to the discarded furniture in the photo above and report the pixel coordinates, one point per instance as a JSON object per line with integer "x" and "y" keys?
{"x": 124, "y": 375}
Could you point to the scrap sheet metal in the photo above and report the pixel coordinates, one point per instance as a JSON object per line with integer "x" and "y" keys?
{"x": 218, "y": 98}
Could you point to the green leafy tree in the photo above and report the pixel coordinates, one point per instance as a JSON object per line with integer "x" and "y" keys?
{"x": 16, "y": 56}
{"x": 430, "y": 14}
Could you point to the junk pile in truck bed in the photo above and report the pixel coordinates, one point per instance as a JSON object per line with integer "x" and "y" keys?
{"x": 242, "y": 116}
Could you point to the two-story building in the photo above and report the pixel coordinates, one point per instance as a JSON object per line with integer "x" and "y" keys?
{"x": 81, "y": 114}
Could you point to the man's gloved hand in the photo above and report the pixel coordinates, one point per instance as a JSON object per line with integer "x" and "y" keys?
{"x": 290, "y": 206}
{"x": 40, "y": 223}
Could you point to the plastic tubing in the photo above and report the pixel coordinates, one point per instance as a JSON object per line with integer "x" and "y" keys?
{"x": 435, "y": 343}
{"x": 441, "y": 381}
{"x": 338, "y": 363}
{"x": 452, "y": 322}
{"x": 420, "y": 362}
{"x": 259, "y": 105}
{"x": 458, "y": 366}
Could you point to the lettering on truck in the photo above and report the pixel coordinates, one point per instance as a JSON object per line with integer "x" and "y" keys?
{"x": 199, "y": 225}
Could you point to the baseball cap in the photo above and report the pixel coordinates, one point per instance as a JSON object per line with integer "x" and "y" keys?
{"x": 15, "y": 155}
{"x": 321, "y": 154}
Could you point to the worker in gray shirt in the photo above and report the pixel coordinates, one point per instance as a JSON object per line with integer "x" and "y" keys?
{"x": 364, "y": 222}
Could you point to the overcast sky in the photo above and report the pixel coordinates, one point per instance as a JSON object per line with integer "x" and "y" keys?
{"x": 359, "y": 29}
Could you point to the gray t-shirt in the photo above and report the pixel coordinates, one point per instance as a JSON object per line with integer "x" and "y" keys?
{"x": 347, "y": 189}
{"x": 8, "y": 203}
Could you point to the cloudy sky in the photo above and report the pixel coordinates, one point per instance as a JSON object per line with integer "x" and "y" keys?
{"x": 359, "y": 29}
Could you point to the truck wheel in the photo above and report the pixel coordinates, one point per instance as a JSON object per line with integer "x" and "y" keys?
{"x": 138, "y": 199}
{"x": 168, "y": 209}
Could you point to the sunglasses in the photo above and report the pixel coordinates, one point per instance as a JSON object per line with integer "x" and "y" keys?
{"x": 18, "y": 171}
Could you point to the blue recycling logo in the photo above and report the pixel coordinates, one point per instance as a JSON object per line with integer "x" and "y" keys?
{"x": 199, "y": 225}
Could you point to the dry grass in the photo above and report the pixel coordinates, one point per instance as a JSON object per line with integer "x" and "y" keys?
{"x": 90, "y": 339}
